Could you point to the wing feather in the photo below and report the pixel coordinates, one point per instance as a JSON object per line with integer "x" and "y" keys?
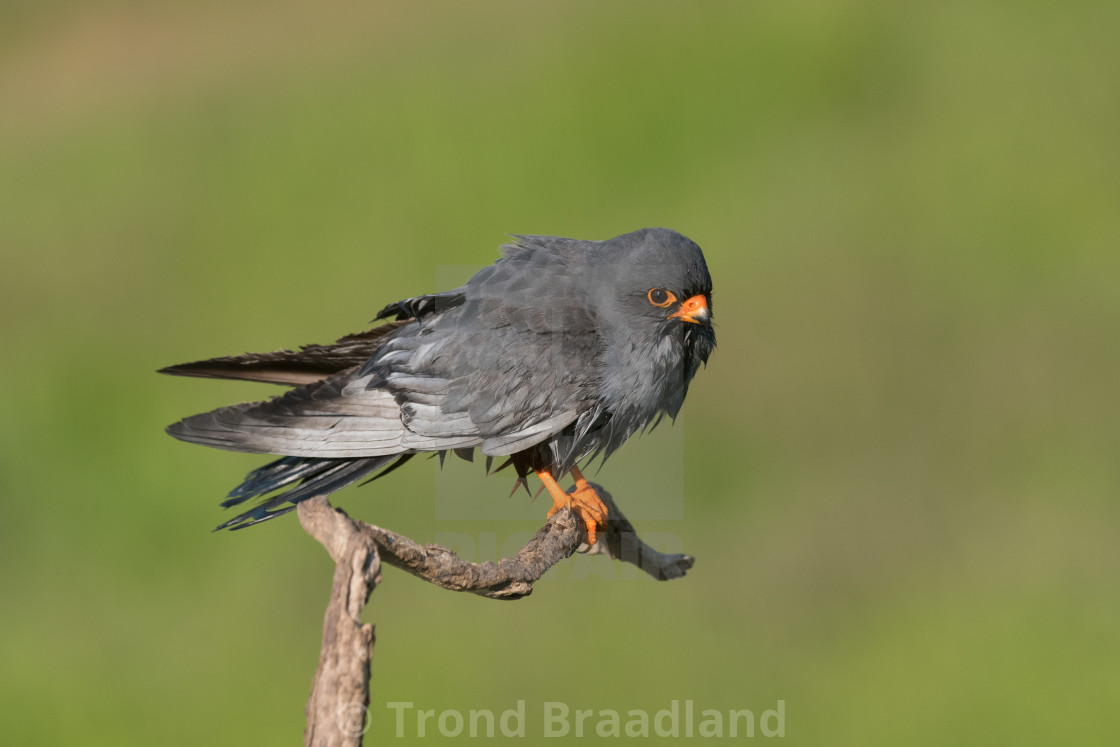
{"x": 307, "y": 365}
{"x": 500, "y": 363}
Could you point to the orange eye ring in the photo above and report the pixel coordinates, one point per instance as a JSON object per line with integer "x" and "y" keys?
{"x": 660, "y": 297}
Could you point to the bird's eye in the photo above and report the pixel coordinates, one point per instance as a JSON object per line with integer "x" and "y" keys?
{"x": 660, "y": 297}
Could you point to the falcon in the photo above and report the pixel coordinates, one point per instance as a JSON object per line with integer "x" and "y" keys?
{"x": 555, "y": 354}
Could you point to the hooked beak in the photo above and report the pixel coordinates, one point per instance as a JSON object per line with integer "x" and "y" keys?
{"x": 693, "y": 310}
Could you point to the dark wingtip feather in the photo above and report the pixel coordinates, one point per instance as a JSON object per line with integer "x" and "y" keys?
{"x": 284, "y": 373}
{"x": 307, "y": 365}
{"x": 420, "y": 306}
{"x": 270, "y": 477}
{"x": 314, "y": 477}
{"x": 258, "y": 515}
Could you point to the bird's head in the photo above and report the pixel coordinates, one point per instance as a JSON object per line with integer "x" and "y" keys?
{"x": 653, "y": 284}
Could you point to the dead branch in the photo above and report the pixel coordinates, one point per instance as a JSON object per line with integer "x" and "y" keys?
{"x": 337, "y": 711}
{"x": 338, "y": 706}
{"x": 621, "y": 542}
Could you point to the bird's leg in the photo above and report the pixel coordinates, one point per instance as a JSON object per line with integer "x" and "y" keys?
{"x": 583, "y": 500}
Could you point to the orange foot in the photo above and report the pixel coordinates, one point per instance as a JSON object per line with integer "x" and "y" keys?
{"x": 583, "y": 500}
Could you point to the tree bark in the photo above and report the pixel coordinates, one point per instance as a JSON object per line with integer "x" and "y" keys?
{"x": 337, "y": 711}
{"x": 338, "y": 708}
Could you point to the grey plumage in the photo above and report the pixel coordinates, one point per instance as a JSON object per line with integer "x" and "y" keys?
{"x": 549, "y": 356}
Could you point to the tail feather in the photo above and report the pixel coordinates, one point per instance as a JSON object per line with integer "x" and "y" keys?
{"x": 315, "y": 476}
{"x": 273, "y": 476}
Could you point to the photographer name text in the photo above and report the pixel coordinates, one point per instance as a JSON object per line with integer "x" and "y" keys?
{"x": 557, "y": 719}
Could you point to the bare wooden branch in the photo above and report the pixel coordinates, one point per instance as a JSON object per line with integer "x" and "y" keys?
{"x": 338, "y": 707}
{"x": 621, "y": 542}
{"x": 509, "y": 578}
{"x": 337, "y": 710}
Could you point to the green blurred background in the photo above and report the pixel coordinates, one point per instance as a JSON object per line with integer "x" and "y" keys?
{"x": 898, "y": 472}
